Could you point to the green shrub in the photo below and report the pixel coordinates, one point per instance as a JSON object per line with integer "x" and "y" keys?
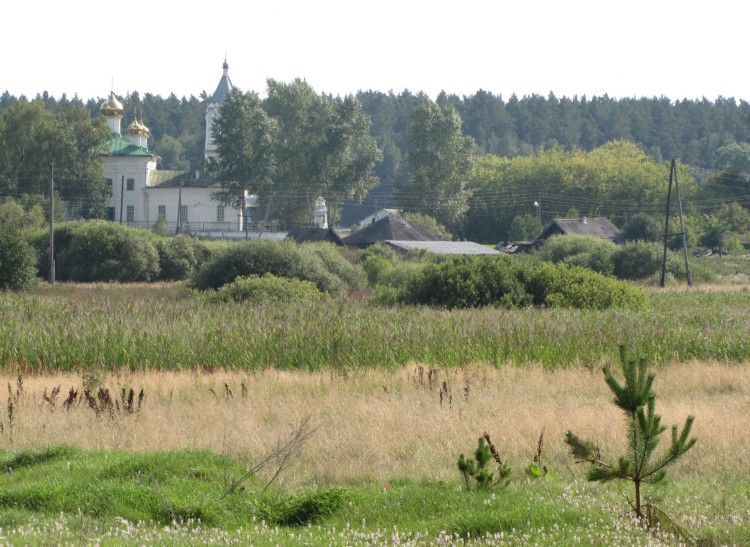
{"x": 268, "y": 288}
{"x": 401, "y": 274}
{"x": 474, "y": 281}
{"x": 637, "y": 260}
{"x": 577, "y": 250}
{"x": 468, "y": 281}
{"x": 337, "y": 264}
{"x": 375, "y": 266}
{"x": 379, "y": 249}
{"x": 180, "y": 256}
{"x": 643, "y": 227}
{"x": 17, "y": 261}
{"x": 559, "y": 285}
{"x": 261, "y": 256}
{"x": 105, "y": 251}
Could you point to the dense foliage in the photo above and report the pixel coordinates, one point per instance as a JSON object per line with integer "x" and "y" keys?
{"x": 17, "y": 260}
{"x": 476, "y": 281}
{"x": 701, "y": 133}
{"x": 267, "y": 288}
{"x": 328, "y": 271}
{"x": 180, "y": 256}
{"x": 37, "y": 145}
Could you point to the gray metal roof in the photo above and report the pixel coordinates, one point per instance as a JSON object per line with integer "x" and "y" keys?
{"x": 444, "y": 247}
{"x": 222, "y": 90}
{"x": 598, "y": 227}
{"x": 392, "y": 227}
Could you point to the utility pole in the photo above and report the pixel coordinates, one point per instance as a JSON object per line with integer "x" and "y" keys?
{"x": 122, "y": 195}
{"x": 179, "y": 210}
{"x": 52, "y": 225}
{"x": 673, "y": 174}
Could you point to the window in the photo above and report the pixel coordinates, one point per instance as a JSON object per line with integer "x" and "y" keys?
{"x": 183, "y": 213}
{"x": 131, "y": 213}
{"x": 109, "y": 181}
{"x": 219, "y": 213}
{"x": 162, "y": 212}
{"x": 130, "y": 184}
{"x": 110, "y": 213}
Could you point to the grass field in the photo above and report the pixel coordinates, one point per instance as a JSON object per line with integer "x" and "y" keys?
{"x": 109, "y": 327}
{"x": 394, "y": 395}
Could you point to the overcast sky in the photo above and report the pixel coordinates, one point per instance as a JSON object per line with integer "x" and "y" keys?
{"x": 677, "y": 49}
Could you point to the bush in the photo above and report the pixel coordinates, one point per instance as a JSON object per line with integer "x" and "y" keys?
{"x": 268, "y": 288}
{"x": 468, "y": 281}
{"x": 17, "y": 261}
{"x": 375, "y": 266}
{"x": 180, "y": 256}
{"x": 559, "y": 285}
{"x": 337, "y": 264}
{"x": 642, "y": 227}
{"x": 637, "y": 260}
{"x": 261, "y": 256}
{"x": 102, "y": 251}
{"x": 473, "y": 281}
{"x": 576, "y": 250}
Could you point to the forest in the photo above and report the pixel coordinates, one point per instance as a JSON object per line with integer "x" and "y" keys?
{"x": 709, "y": 136}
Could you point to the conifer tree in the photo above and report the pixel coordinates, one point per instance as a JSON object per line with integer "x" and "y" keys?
{"x": 641, "y": 465}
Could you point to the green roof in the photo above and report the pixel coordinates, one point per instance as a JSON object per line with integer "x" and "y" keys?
{"x": 119, "y": 146}
{"x": 168, "y": 178}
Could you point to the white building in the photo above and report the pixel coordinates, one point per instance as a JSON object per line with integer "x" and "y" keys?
{"x": 141, "y": 193}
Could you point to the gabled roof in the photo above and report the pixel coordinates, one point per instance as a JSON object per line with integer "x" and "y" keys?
{"x": 392, "y": 227}
{"x": 444, "y": 247}
{"x": 598, "y": 227}
{"x": 305, "y": 235}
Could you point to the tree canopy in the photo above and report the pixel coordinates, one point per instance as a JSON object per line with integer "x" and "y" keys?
{"x": 291, "y": 148}
{"x": 441, "y": 159}
{"x": 33, "y": 140}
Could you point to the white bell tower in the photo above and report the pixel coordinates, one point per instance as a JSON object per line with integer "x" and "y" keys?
{"x": 212, "y": 110}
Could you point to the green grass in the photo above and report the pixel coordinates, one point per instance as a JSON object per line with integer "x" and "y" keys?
{"x": 63, "y": 495}
{"x": 111, "y": 327}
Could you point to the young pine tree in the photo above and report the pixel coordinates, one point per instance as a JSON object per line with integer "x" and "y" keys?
{"x": 479, "y": 467}
{"x": 641, "y": 465}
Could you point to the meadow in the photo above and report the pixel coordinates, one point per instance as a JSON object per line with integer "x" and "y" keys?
{"x": 391, "y": 396}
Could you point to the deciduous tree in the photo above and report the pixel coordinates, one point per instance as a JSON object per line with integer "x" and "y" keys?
{"x": 441, "y": 160}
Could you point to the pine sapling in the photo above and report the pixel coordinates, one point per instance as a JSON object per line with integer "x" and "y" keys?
{"x": 479, "y": 469}
{"x": 641, "y": 465}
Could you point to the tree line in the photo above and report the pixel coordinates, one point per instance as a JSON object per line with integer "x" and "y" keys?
{"x": 475, "y": 163}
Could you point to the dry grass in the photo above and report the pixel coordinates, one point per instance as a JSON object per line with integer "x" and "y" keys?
{"x": 376, "y": 425}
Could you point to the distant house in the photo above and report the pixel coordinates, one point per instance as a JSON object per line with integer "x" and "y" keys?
{"x": 596, "y": 227}
{"x": 307, "y": 235}
{"x": 392, "y": 227}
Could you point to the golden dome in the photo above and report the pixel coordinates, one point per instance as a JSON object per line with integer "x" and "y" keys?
{"x": 112, "y": 107}
{"x": 138, "y": 128}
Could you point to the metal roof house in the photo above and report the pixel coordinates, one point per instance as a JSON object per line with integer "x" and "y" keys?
{"x": 597, "y": 227}
{"x": 391, "y": 227}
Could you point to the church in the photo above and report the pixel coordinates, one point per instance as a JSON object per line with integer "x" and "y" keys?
{"x": 143, "y": 194}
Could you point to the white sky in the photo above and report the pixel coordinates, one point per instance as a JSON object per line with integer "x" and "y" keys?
{"x": 678, "y": 49}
